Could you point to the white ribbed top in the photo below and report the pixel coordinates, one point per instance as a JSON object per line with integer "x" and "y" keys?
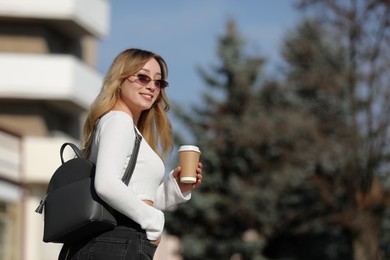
{"x": 111, "y": 150}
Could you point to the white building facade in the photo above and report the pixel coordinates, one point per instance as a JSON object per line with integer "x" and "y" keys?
{"x": 48, "y": 79}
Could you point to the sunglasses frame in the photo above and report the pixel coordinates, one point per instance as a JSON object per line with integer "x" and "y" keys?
{"x": 144, "y": 80}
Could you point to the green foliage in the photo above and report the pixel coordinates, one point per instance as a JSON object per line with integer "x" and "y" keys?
{"x": 258, "y": 149}
{"x": 220, "y": 213}
{"x": 282, "y": 160}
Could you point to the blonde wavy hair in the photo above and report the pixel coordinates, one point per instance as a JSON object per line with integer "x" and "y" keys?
{"x": 153, "y": 123}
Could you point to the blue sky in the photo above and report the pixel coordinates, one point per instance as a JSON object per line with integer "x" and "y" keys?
{"x": 185, "y": 33}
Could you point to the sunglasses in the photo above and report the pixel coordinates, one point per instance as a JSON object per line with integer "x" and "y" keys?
{"x": 144, "y": 80}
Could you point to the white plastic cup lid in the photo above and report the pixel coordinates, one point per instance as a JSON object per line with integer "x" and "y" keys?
{"x": 189, "y": 148}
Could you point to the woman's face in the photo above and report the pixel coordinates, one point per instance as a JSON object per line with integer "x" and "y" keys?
{"x": 137, "y": 93}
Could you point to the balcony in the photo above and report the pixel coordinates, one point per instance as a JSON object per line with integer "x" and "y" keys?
{"x": 41, "y": 157}
{"x": 63, "y": 80}
{"x": 74, "y": 17}
{"x": 10, "y": 156}
{"x": 29, "y": 159}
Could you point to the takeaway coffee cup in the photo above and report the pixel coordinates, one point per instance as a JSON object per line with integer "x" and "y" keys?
{"x": 188, "y": 160}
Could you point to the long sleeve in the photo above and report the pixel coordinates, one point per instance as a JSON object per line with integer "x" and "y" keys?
{"x": 115, "y": 141}
{"x": 169, "y": 194}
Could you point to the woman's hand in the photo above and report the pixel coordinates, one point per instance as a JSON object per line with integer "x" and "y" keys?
{"x": 186, "y": 187}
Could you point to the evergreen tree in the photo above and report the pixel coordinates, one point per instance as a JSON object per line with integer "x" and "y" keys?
{"x": 291, "y": 170}
{"x": 219, "y": 219}
{"x": 259, "y": 156}
{"x": 316, "y": 74}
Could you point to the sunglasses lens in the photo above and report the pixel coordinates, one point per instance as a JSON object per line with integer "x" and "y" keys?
{"x": 161, "y": 83}
{"x": 144, "y": 79}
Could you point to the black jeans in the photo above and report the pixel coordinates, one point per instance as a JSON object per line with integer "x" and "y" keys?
{"x": 126, "y": 242}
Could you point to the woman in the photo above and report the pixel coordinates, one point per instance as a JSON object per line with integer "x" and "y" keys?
{"x": 132, "y": 95}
